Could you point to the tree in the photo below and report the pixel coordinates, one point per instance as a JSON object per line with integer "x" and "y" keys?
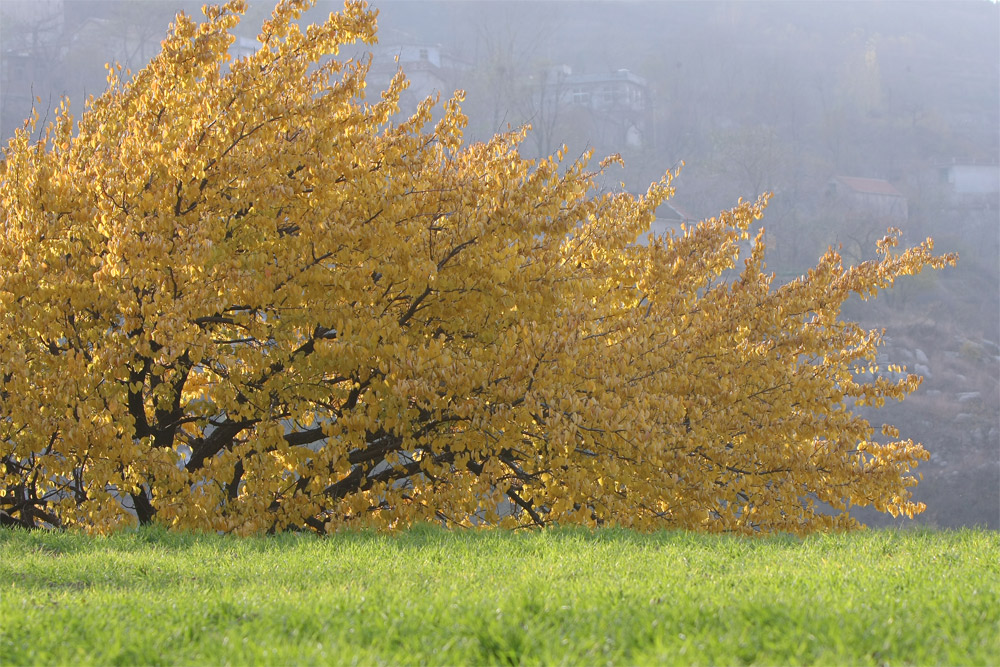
{"x": 515, "y": 82}
{"x": 238, "y": 297}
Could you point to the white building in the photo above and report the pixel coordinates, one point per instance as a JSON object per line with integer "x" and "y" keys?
{"x": 971, "y": 179}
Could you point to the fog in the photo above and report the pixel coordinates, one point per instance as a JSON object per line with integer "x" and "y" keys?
{"x": 856, "y": 115}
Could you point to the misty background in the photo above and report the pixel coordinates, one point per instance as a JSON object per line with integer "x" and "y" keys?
{"x": 858, "y": 116}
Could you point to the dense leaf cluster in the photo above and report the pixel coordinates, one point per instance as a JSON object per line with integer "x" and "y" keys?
{"x": 238, "y": 297}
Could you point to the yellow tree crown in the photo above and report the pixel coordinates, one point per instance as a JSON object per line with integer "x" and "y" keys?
{"x": 237, "y": 296}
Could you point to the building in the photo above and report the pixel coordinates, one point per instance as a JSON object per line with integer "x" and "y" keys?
{"x": 430, "y": 69}
{"x": 613, "y": 104}
{"x": 669, "y": 218}
{"x": 870, "y": 199}
{"x": 970, "y": 181}
{"x": 620, "y": 91}
{"x": 970, "y": 207}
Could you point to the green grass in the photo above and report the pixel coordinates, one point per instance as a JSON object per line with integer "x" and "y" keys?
{"x": 564, "y": 596}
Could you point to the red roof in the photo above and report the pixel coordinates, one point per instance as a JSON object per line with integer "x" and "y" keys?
{"x": 871, "y": 186}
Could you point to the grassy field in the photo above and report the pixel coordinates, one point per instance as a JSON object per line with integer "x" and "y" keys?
{"x": 564, "y": 596}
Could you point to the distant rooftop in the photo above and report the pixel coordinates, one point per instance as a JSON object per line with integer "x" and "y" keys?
{"x": 619, "y": 75}
{"x": 872, "y": 186}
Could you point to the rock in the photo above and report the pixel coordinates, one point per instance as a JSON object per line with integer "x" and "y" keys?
{"x": 921, "y": 369}
{"x": 921, "y": 357}
{"x": 967, "y": 396}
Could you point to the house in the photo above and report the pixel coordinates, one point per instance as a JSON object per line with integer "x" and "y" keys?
{"x": 867, "y": 199}
{"x": 614, "y": 104}
{"x": 618, "y": 91}
{"x": 971, "y": 180}
{"x": 669, "y": 218}
{"x": 431, "y": 69}
{"x": 970, "y": 206}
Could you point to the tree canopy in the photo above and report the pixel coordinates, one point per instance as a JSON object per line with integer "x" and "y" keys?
{"x": 237, "y": 296}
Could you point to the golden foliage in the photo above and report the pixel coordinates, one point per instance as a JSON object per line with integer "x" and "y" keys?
{"x": 238, "y": 297}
